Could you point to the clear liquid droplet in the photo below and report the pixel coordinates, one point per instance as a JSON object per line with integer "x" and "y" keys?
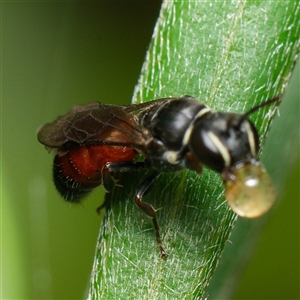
{"x": 249, "y": 191}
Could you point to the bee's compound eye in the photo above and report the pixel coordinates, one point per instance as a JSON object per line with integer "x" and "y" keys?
{"x": 249, "y": 191}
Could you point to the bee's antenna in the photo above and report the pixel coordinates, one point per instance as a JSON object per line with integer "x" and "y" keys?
{"x": 255, "y": 108}
{"x": 268, "y": 102}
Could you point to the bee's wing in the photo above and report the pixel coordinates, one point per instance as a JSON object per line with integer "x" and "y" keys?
{"x": 139, "y": 108}
{"x": 95, "y": 123}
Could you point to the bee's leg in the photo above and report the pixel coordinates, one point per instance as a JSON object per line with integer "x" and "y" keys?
{"x": 109, "y": 180}
{"x": 143, "y": 189}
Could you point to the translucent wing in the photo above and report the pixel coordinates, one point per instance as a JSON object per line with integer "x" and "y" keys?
{"x": 96, "y": 123}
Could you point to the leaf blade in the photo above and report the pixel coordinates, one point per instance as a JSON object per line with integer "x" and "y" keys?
{"x": 195, "y": 220}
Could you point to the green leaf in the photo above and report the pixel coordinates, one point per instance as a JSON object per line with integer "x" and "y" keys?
{"x": 283, "y": 165}
{"x": 231, "y": 56}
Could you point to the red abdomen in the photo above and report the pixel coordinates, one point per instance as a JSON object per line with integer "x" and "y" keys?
{"x": 80, "y": 170}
